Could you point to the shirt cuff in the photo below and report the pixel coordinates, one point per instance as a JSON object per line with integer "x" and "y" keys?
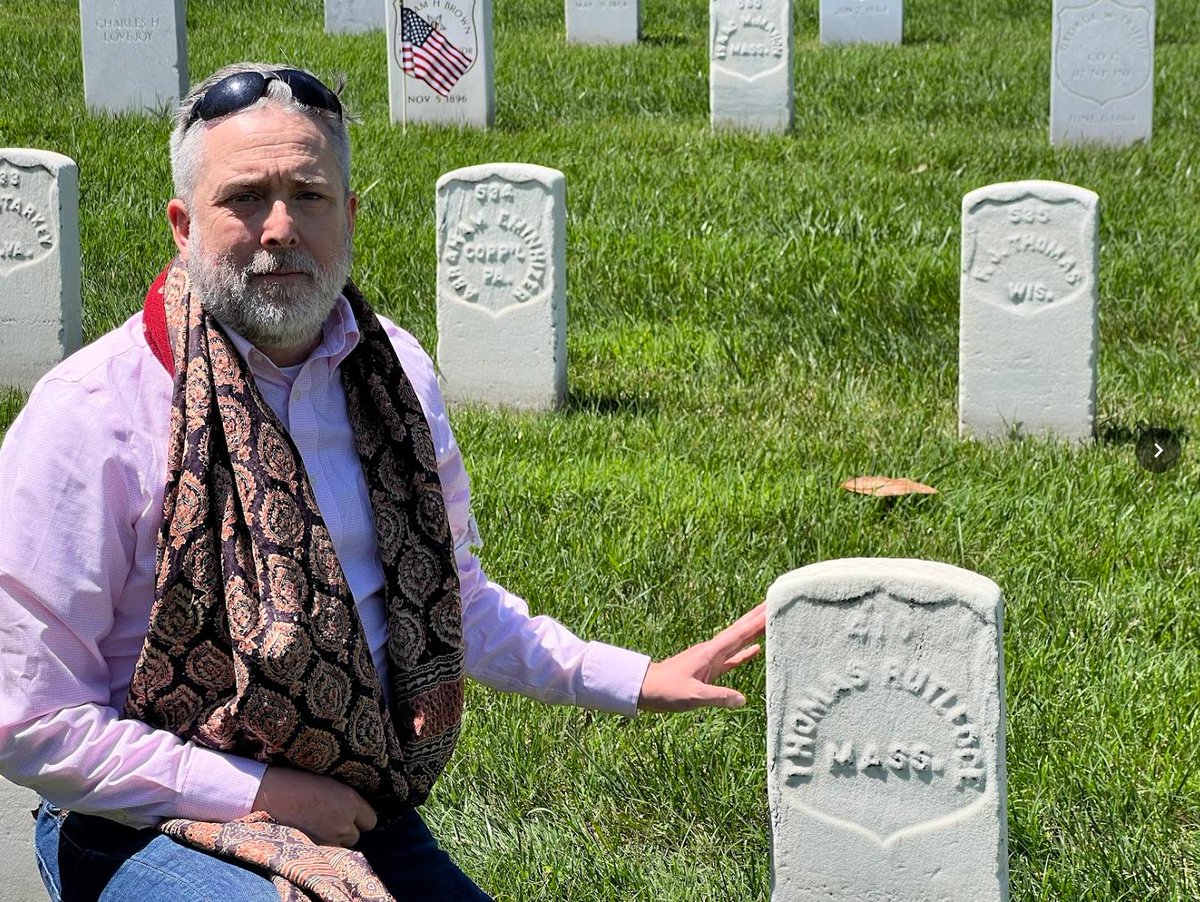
{"x": 612, "y": 678}
{"x": 220, "y": 787}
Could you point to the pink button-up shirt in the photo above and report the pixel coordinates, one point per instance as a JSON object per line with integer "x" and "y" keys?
{"x": 82, "y": 472}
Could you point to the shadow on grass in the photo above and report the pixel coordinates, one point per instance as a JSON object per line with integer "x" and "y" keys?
{"x": 1116, "y": 433}
{"x": 898, "y": 505}
{"x": 666, "y": 40}
{"x": 928, "y": 37}
{"x": 607, "y": 405}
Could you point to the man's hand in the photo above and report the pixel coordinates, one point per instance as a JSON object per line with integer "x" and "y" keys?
{"x": 329, "y": 812}
{"x": 684, "y": 681}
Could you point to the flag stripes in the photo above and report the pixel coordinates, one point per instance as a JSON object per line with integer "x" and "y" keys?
{"x": 427, "y": 54}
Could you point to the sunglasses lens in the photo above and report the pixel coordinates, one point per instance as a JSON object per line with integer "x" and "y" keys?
{"x": 239, "y": 91}
{"x": 229, "y": 94}
{"x": 310, "y": 91}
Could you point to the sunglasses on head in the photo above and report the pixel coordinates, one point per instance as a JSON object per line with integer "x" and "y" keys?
{"x": 238, "y": 91}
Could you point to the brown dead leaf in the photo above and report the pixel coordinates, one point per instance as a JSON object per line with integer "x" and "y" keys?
{"x": 886, "y": 486}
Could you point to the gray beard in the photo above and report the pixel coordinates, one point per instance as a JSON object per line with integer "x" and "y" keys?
{"x": 268, "y": 315}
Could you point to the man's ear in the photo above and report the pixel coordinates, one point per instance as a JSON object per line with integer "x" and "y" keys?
{"x": 351, "y": 210}
{"x": 181, "y": 225}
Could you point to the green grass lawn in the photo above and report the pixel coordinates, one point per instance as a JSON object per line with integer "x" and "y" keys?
{"x": 752, "y": 321}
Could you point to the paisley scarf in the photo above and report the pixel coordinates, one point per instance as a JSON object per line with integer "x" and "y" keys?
{"x": 255, "y": 646}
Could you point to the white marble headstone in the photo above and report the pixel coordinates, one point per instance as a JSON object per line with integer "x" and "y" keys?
{"x": 134, "y": 54}
{"x": 750, "y": 64}
{"x": 1027, "y": 326}
{"x": 41, "y": 321}
{"x": 885, "y": 733}
{"x": 354, "y": 16}
{"x": 1102, "y": 71}
{"x": 450, "y": 79}
{"x": 18, "y": 864}
{"x": 603, "y": 21}
{"x": 502, "y": 285}
{"x": 861, "y": 21}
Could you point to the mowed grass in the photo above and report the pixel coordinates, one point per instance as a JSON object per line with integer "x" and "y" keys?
{"x": 752, "y": 321}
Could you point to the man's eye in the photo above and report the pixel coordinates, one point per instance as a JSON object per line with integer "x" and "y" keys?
{"x": 244, "y": 197}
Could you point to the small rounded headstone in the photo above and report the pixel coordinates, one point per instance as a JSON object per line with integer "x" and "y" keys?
{"x": 1027, "y": 324}
{"x": 750, "y": 64}
{"x": 39, "y": 263}
{"x": 1102, "y": 71}
{"x": 885, "y": 733}
{"x": 502, "y": 289}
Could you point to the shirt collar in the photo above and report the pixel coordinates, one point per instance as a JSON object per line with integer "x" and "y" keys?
{"x": 339, "y": 336}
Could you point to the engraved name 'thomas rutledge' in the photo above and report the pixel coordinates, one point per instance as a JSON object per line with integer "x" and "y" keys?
{"x": 885, "y": 742}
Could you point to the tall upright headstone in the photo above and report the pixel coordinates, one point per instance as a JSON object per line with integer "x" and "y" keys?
{"x": 750, "y": 64}
{"x": 1102, "y": 71}
{"x": 603, "y": 21}
{"x": 41, "y": 321}
{"x": 502, "y": 285}
{"x": 354, "y": 16}
{"x": 861, "y": 21}
{"x": 1027, "y": 326}
{"x": 440, "y": 62}
{"x": 134, "y": 54}
{"x": 885, "y": 733}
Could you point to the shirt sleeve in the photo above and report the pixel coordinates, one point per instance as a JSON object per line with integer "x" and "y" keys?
{"x": 506, "y": 647}
{"x": 70, "y": 499}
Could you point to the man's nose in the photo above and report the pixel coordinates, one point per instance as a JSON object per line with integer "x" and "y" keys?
{"x": 278, "y": 228}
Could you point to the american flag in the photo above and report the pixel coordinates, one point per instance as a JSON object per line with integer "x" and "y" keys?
{"x": 427, "y": 54}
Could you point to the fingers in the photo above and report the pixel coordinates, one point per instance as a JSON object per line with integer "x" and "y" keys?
{"x": 365, "y": 817}
{"x": 741, "y": 657}
{"x": 742, "y": 631}
{"x": 323, "y": 808}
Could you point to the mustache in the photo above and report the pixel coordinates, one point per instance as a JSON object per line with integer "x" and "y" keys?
{"x": 265, "y": 262}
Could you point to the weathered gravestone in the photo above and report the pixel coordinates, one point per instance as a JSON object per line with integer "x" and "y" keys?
{"x": 440, "y": 66}
{"x": 750, "y": 64}
{"x": 885, "y": 733}
{"x": 134, "y": 54}
{"x": 502, "y": 285}
{"x": 604, "y": 21}
{"x": 18, "y": 864}
{"x": 1027, "y": 326}
{"x": 41, "y": 317}
{"x": 861, "y": 21}
{"x": 1102, "y": 72}
{"x": 354, "y": 16}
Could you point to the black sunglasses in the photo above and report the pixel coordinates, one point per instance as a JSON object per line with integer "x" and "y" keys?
{"x": 238, "y": 91}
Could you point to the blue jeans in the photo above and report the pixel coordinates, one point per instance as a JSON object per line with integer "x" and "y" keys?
{"x": 85, "y": 858}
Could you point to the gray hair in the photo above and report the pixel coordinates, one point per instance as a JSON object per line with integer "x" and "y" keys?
{"x": 186, "y": 144}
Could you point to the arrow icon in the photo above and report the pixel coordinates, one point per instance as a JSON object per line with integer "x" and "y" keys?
{"x": 1158, "y": 450}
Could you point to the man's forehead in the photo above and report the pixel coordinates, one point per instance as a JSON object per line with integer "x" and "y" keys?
{"x": 251, "y": 140}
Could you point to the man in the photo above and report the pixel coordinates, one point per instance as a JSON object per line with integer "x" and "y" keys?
{"x": 236, "y": 561}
